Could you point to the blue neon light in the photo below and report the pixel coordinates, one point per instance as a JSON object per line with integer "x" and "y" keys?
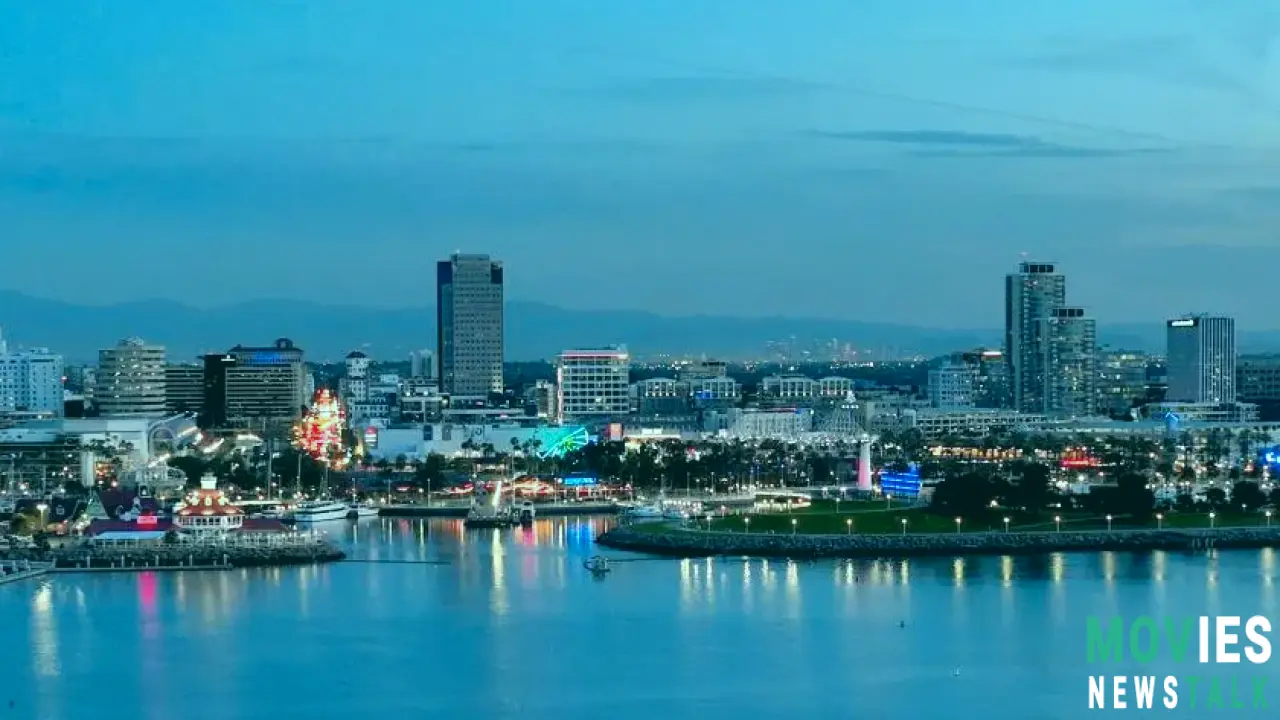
{"x": 264, "y": 358}
{"x": 904, "y": 483}
{"x": 580, "y": 481}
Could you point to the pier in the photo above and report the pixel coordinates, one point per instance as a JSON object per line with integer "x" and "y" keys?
{"x": 453, "y": 510}
{"x": 15, "y": 570}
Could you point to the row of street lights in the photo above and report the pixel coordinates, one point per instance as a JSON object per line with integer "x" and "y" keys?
{"x": 1057, "y": 521}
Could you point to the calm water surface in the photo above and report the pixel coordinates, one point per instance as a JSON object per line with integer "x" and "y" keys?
{"x": 514, "y": 627}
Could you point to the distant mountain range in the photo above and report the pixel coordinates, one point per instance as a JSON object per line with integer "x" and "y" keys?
{"x": 534, "y": 330}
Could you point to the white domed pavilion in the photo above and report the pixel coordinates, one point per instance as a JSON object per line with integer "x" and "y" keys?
{"x": 208, "y": 510}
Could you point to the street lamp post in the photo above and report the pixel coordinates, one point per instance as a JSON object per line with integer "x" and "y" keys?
{"x": 904, "y": 526}
{"x": 1108, "y": 523}
{"x": 888, "y": 500}
{"x": 42, "y": 508}
{"x": 746, "y": 524}
{"x": 848, "y": 526}
{"x": 793, "y": 526}
{"x": 1006, "y": 524}
{"x": 1159, "y": 521}
{"x": 1057, "y": 521}
{"x": 1268, "y": 514}
{"x": 958, "y": 520}
{"x": 1211, "y": 519}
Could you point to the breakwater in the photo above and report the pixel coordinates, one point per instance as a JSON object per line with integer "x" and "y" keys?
{"x": 178, "y": 556}
{"x": 695, "y": 543}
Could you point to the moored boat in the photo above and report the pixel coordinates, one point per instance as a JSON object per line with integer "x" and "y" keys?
{"x": 643, "y": 512}
{"x": 320, "y": 511}
{"x": 359, "y": 511}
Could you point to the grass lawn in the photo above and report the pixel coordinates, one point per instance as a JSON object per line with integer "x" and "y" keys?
{"x": 817, "y": 521}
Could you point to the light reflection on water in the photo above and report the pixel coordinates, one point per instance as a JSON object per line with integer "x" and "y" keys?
{"x": 516, "y": 607}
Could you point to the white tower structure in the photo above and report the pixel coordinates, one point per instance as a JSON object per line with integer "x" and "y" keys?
{"x": 864, "y": 462}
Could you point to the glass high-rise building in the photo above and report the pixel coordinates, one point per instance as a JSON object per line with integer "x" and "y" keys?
{"x": 1202, "y": 360}
{"x": 1030, "y": 296}
{"x": 1069, "y": 356}
{"x": 469, "y": 326}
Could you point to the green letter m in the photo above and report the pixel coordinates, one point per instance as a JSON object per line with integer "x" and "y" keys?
{"x": 1108, "y": 646}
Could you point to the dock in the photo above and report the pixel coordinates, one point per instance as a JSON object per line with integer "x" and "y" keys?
{"x": 15, "y": 571}
{"x": 460, "y": 511}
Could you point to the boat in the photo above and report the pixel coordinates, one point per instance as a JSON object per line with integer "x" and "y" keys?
{"x": 643, "y": 512}
{"x": 525, "y": 513}
{"x": 673, "y": 512}
{"x": 359, "y": 511}
{"x": 320, "y": 511}
{"x": 488, "y": 511}
{"x": 597, "y": 565}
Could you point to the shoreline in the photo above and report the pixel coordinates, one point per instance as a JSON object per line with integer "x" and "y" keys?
{"x": 679, "y": 542}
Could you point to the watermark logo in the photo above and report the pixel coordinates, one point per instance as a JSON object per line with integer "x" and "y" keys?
{"x": 1224, "y": 651}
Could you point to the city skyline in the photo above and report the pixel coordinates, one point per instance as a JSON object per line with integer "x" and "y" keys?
{"x": 806, "y": 151}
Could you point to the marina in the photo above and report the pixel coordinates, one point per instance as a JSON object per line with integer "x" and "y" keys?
{"x": 509, "y": 604}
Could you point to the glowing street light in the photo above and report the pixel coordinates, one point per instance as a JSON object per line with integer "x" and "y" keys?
{"x": 1212, "y": 515}
{"x": 746, "y": 521}
{"x": 958, "y": 520}
{"x": 888, "y": 499}
{"x": 1268, "y": 514}
{"x": 904, "y": 526}
{"x": 1006, "y": 524}
{"x": 1159, "y": 521}
{"x": 1108, "y": 523}
{"x": 793, "y": 526}
{"x": 1057, "y": 520}
{"x": 848, "y": 526}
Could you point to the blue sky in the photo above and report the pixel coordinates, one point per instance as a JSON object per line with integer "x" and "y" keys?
{"x": 880, "y": 160}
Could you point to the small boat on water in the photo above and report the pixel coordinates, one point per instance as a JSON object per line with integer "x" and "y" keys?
{"x": 597, "y": 565}
{"x": 525, "y": 513}
{"x": 320, "y": 511}
{"x": 359, "y": 511}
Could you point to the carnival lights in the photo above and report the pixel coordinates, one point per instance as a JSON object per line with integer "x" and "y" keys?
{"x": 319, "y": 432}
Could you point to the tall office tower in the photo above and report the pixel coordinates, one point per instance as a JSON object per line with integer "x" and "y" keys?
{"x": 1202, "y": 360}
{"x": 1030, "y": 295}
{"x": 593, "y": 384}
{"x": 1069, "y": 356}
{"x": 130, "y": 380}
{"x": 469, "y": 324}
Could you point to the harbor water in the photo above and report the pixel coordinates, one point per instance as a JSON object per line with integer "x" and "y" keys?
{"x": 429, "y": 619}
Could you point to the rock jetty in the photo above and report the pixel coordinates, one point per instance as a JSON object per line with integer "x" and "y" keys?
{"x": 694, "y": 543}
{"x": 173, "y": 556}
